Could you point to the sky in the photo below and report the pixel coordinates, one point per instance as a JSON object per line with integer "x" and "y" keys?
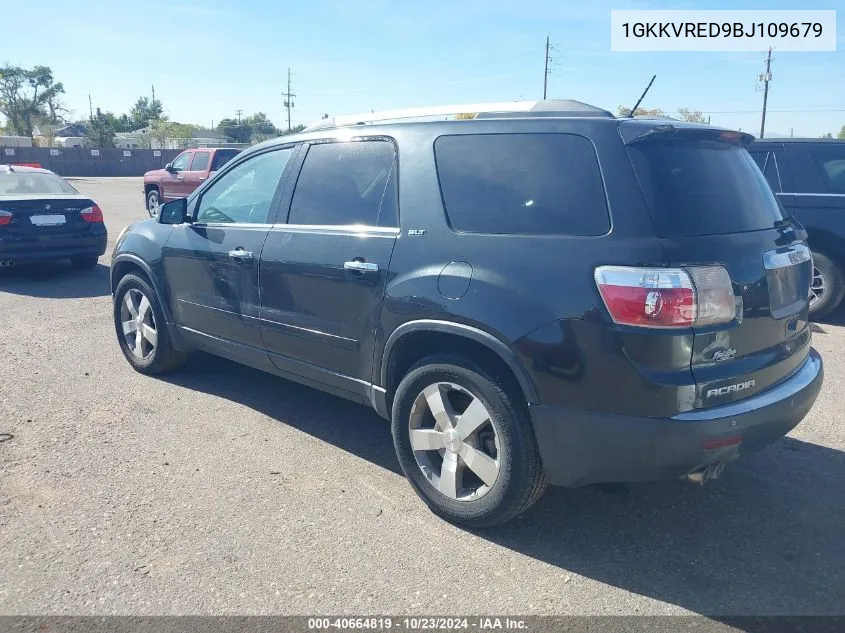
{"x": 209, "y": 58}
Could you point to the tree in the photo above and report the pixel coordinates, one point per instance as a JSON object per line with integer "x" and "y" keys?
{"x": 27, "y": 96}
{"x": 623, "y": 111}
{"x": 234, "y": 131}
{"x": 296, "y": 129}
{"x": 100, "y": 132}
{"x": 145, "y": 111}
{"x": 159, "y": 131}
{"x": 693, "y": 116}
{"x": 841, "y": 133}
{"x": 826, "y": 135}
{"x": 182, "y": 133}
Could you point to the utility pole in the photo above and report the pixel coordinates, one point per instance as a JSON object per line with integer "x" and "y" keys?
{"x": 765, "y": 78}
{"x": 154, "y": 93}
{"x": 239, "y": 113}
{"x": 90, "y": 108}
{"x": 288, "y": 100}
{"x": 546, "y": 70}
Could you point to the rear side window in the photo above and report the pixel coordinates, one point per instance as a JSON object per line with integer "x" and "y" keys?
{"x": 221, "y": 157}
{"x": 346, "y": 184}
{"x": 200, "y": 162}
{"x": 703, "y": 187}
{"x": 526, "y": 184}
{"x": 829, "y": 160}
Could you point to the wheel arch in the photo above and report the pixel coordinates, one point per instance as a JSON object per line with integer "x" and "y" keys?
{"x": 415, "y": 339}
{"x": 127, "y": 263}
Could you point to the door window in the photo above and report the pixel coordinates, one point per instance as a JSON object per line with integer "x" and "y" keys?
{"x": 245, "y": 193}
{"x": 829, "y": 160}
{"x": 345, "y": 184}
{"x": 200, "y": 162}
{"x": 180, "y": 163}
{"x": 525, "y": 184}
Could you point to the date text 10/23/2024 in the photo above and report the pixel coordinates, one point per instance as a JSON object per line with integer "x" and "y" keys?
{"x": 479, "y": 623}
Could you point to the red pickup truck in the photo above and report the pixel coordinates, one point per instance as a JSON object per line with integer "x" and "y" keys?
{"x": 188, "y": 171}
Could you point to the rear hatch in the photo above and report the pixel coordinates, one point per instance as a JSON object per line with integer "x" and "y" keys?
{"x": 710, "y": 205}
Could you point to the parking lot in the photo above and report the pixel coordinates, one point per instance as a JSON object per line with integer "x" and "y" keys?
{"x": 219, "y": 489}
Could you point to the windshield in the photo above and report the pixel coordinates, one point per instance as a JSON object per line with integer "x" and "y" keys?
{"x": 703, "y": 187}
{"x": 24, "y": 183}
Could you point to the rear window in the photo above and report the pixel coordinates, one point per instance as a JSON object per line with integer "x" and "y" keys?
{"x": 33, "y": 183}
{"x": 527, "y": 184}
{"x": 703, "y": 188}
{"x": 221, "y": 157}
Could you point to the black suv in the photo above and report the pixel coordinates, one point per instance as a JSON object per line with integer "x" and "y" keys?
{"x": 808, "y": 176}
{"x": 543, "y": 293}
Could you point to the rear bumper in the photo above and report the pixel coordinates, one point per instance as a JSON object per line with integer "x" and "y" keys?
{"x": 582, "y": 447}
{"x": 28, "y": 248}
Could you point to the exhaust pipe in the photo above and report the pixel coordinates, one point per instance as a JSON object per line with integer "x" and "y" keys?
{"x": 7, "y": 263}
{"x": 706, "y": 474}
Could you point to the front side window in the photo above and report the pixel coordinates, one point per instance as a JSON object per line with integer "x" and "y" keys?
{"x": 351, "y": 183}
{"x": 245, "y": 193}
{"x": 522, "y": 184}
{"x": 200, "y": 162}
{"x": 181, "y": 162}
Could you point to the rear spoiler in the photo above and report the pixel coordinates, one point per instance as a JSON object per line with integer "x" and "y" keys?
{"x": 639, "y": 131}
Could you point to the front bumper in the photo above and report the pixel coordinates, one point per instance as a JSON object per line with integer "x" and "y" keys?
{"x": 583, "y": 447}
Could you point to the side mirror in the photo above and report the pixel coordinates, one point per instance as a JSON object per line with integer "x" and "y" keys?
{"x": 169, "y": 167}
{"x": 174, "y": 212}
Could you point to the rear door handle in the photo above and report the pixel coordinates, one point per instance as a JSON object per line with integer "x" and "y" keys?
{"x": 240, "y": 254}
{"x": 361, "y": 267}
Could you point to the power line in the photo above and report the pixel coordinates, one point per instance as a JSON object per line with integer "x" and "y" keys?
{"x": 288, "y": 99}
{"x": 239, "y": 113}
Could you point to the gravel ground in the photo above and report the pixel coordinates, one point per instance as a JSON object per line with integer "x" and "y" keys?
{"x": 222, "y": 490}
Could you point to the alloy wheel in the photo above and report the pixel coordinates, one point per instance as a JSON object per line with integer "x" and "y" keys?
{"x": 153, "y": 205}
{"x": 454, "y": 441}
{"x": 138, "y": 324}
{"x": 817, "y": 287}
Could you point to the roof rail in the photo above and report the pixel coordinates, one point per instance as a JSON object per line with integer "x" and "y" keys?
{"x": 505, "y": 109}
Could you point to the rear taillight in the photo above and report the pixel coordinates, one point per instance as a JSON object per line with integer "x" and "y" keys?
{"x": 667, "y": 297}
{"x": 92, "y": 214}
{"x": 5, "y": 218}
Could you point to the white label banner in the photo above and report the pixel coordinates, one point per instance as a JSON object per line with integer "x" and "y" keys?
{"x": 704, "y": 30}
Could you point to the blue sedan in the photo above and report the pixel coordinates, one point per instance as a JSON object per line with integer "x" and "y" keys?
{"x": 43, "y": 217}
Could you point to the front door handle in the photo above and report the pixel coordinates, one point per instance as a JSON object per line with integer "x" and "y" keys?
{"x": 240, "y": 254}
{"x": 361, "y": 267}
{"x": 180, "y": 178}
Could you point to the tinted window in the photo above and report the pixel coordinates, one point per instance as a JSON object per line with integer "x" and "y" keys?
{"x": 180, "y": 163}
{"x": 347, "y": 183}
{"x": 200, "y": 162}
{"x": 703, "y": 187}
{"x": 767, "y": 163}
{"x": 245, "y": 193}
{"x": 772, "y": 173}
{"x": 32, "y": 183}
{"x": 221, "y": 157}
{"x": 538, "y": 184}
{"x": 829, "y": 160}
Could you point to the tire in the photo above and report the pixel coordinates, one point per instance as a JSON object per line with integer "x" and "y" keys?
{"x": 471, "y": 502}
{"x": 153, "y": 202}
{"x": 156, "y": 353}
{"x": 828, "y": 286}
{"x": 84, "y": 262}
